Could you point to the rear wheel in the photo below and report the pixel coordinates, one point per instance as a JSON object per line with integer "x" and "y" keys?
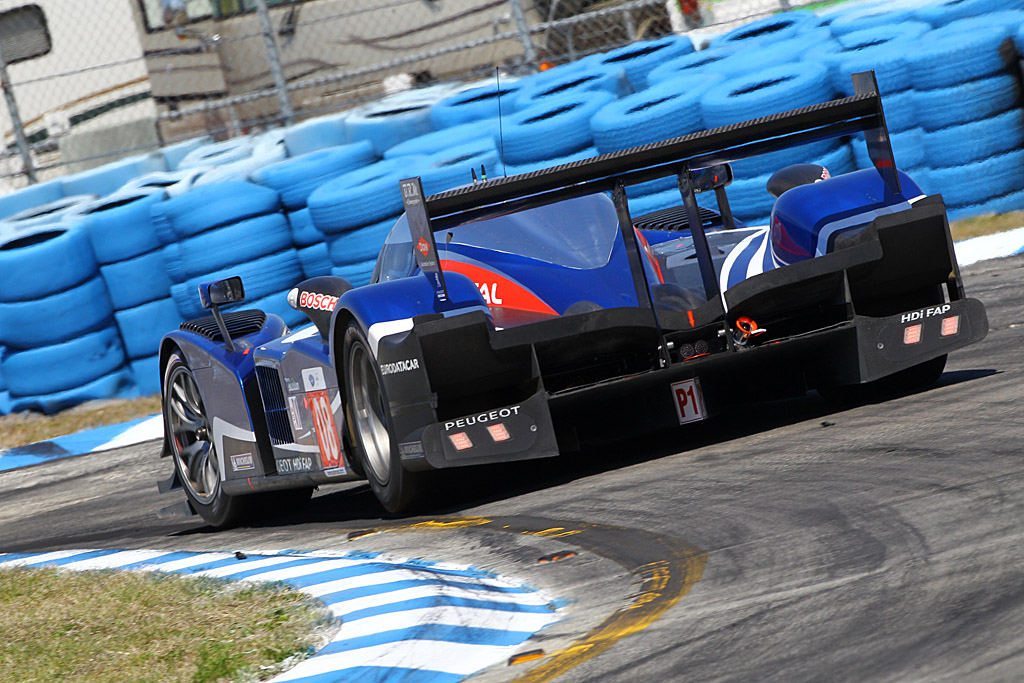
{"x": 396, "y": 488}
{"x": 192, "y": 448}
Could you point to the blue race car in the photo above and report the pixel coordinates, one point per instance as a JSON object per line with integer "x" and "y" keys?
{"x": 516, "y": 317}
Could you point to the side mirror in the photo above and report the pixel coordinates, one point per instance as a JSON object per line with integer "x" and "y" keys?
{"x": 221, "y": 292}
{"x": 711, "y": 178}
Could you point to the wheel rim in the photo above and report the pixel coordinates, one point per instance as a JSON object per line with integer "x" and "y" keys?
{"x": 368, "y": 414}
{"x": 190, "y": 437}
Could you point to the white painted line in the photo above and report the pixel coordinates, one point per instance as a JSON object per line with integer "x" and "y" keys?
{"x": 41, "y": 558}
{"x": 187, "y": 562}
{"x": 244, "y": 566}
{"x": 347, "y": 607}
{"x": 114, "y": 561}
{"x": 448, "y": 615}
{"x": 389, "y": 576}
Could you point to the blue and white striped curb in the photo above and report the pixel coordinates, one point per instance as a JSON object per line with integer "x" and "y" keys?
{"x": 401, "y": 620}
{"x": 968, "y": 251}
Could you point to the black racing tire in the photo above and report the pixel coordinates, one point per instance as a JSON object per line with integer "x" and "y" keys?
{"x": 192, "y": 448}
{"x": 397, "y": 489}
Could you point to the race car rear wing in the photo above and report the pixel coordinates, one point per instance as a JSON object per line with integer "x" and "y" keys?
{"x": 678, "y": 156}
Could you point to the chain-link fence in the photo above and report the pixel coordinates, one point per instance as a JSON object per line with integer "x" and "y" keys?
{"x": 95, "y": 80}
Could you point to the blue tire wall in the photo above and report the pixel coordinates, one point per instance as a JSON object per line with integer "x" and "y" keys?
{"x": 121, "y": 228}
{"x": 880, "y": 49}
{"x": 62, "y": 366}
{"x": 219, "y": 248}
{"x": 454, "y": 167}
{"x": 770, "y": 29}
{"x": 211, "y": 206}
{"x": 146, "y": 373}
{"x": 30, "y": 197}
{"x": 136, "y": 280}
{"x": 773, "y": 161}
{"x": 941, "y": 12}
{"x": 975, "y": 182}
{"x": 387, "y": 127}
{"x": 877, "y": 16}
{"x": 142, "y": 327}
{"x": 277, "y": 303}
{"x": 661, "y": 112}
{"x": 357, "y": 274}
{"x": 107, "y": 178}
{"x": 44, "y": 261}
{"x": 217, "y": 153}
{"x": 362, "y": 197}
{"x": 55, "y": 318}
{"x": 608, "y": 79}
{"x": 706, "y": 62}
{"x": 907, "y": 149}
{"x": 476, "y": 104}
{"x": 974, "y": 100}
{"x": 304, "y": 233}
{"x": 430, "y": 144}
{"x": 51, "y": 213}
{"x": 117, "y": 384}
{"x": 296, "y": 178}
{"x": 975, "y": 140}
{"x": 1012, "y": 201}
{"x": 639, "y": 59}
{"x": 1009, "y": 20}
{"x": 174, "y": 154}
{"x": 359, "y": 246}
{"x": 554, "y": 128}
{"x": 900, "y": 111}
{"x": 766, "y": 91}
{"x": 314, "y": 134}
{"x": 315, "y": 260}
{"x": 953, "y": 57}
{"x": 262, "y": 277}
{"x": 516, "y": 169}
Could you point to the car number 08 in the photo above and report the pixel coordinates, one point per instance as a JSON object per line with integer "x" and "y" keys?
{"x": 689, "y": 401}
{"x": 327, "y": 437}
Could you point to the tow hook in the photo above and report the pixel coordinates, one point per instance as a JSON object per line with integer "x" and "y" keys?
{"x": 746, "y": 330}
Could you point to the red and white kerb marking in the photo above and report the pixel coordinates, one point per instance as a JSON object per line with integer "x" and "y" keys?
{"x": 689, "y": 401}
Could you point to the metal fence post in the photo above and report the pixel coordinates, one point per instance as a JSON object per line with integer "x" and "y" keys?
{"x": 529, "y": 51}
{"x": 274, "y": 57}
{"x": 16, "y": 124}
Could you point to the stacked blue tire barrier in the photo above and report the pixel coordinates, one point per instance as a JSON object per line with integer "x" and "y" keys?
{"x": 56, "y": 321}
{"x": 224, "y": 229}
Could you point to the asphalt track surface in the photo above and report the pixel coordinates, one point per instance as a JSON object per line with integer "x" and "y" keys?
{"x": 791, "y": 541}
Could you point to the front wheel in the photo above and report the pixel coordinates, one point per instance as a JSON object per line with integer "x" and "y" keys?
{"x": 192, "y": 448}
{"x": 397, "y": 489}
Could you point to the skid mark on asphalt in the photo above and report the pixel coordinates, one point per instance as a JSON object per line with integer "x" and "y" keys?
{"x": 409, "y": 621}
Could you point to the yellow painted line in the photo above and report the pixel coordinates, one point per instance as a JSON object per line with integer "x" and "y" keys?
{"x": 441, "y": 524}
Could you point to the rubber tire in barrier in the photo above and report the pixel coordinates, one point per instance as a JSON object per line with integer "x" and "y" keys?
{"x": 174, "y": 154}
{"x": 172, "y": 183}
{"x": 586, "y": 153}
{"x": 838, "y": 161}
{"x": 941, "y": 12}
{"x": 296, "y": 178}
{"x": 430, "y": 144}
{"x": 655, "y": 201}
{"x": 314, "y": 134}
{"x": 3, "y": 382}
{"x": 775, "y": 28}
{"x": 55, "y": 318}
{"x": 266, "y": 150}
{"x": 146, "y": 373}
{"x": 881, "y": 49}
{"x": 750, "y": 200}
{"x": 873, "y": 17}
{"x": 144, "y": 326}
{"x": 638, "y": 59}
{"x": 216, "y": 153}
{"x": 137, "y": 280}
{"x": 658, "y": 113}
{"x": 105, "y": 179}
{"x": 357, "y": 274}
{"x": 62, "y": 366}
{"x": 475, "y": 104}
{"x": 30, "y": 197}
{"x": 974, "y": 183}
{"x": 261, "y": 277}
{"x": 975, "y": 140}
{"x": 360, "y": 245}
{"x": 956, "y": 57}
{"x": 907, "y": 149}
{"x": 211, "y": 206}
{"x": 362, "y": 197}
{"x": 315, "y": 260}
{"x": 769, "y": 163}
{"x": 117, "y": 384}
{"x": 387, "y": 127}
{"x": 974, "y": 100}
{"x": 454, "y": 167}
{"x": 900, "y": 111}
{"x": 124, "y": 229}
{"x": 1009, "y": 20}
{"x": 44, "y": 261}
{"x": 47, "y": 214}
{"x": 1012, "y": 201}
{"x": 767, "y": 91}
{"x": 607, "y": 79}
{"x": 304, "y": 233}
{"x": 276, "y": 303}
{"x": 222, "y": 247}
{"x": 557, "y": 127}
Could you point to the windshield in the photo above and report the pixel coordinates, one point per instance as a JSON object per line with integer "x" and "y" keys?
{"x": 575, "y": 233}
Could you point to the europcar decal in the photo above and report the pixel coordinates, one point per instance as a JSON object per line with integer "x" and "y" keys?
{"x": 313, "y": 379}
{"x": 323, "y": 422}
{"x": 499, "y": 291}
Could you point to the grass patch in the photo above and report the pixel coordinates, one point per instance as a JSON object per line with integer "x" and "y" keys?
{"x": 989, "y": 224}
{"x": 118, "y": 626}
{"x": 19, "y": 429}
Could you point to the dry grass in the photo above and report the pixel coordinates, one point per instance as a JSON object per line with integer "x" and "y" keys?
{"x": 988, "y": 224}
{"x": 19, "y": 429}
{"x": 59, "y": 625}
